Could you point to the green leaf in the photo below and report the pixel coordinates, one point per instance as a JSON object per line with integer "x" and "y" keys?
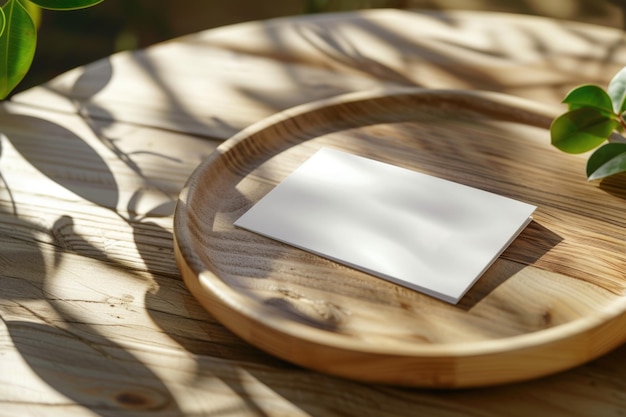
{"x": 34, "y": 11}
{"x": 607, "y": 160}
{"x": 581, "y": 130}
{"x": 2, "y": 21}
{"x": 65, "y": 4}
{"x": 617, "y": 91}
{"x": 17, "y": 46}
{"x": 589, "y": 96}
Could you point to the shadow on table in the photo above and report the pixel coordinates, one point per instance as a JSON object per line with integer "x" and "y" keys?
{"x": 60, "y": 346}
{"x": 436, "y": 61}
{"x": 120, "y": 387}
{"x": 615, "y": 185}
{"x": 57, "y": 350}
{"x": 116, "y": 382}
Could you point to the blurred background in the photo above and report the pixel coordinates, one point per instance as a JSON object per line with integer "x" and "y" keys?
{"x": 70, "y": 39}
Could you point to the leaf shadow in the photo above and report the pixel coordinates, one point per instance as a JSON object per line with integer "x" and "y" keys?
{"x": 85, "y": 165}
{"x": 179, "y": 315}
{"x": 615, "y": 185}
{"x": 68, "y": 353}
{"x": 94, "y": 372}
{"x": 87, "y": 369}
{"x": 91, "y": 82}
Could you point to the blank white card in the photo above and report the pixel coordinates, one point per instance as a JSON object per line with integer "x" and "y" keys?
{"x": 413, "y": 229}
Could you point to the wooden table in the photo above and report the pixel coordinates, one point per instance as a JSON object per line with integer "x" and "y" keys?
{"x": 95, "y": 317}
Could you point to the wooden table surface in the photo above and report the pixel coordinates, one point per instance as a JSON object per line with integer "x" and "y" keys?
{"x": 96, "y": 320}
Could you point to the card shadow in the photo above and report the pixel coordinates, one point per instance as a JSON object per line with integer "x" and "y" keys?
{"x": 531, "y": 244}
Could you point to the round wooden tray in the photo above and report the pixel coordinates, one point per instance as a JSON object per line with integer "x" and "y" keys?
{"x": 553, "y": 300}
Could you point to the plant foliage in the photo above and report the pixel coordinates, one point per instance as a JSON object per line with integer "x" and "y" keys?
{"x": 18, "y": 36}
{"x": 593, "y": 117}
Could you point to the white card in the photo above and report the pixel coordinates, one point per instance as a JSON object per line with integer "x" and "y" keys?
{"x": 416, "y": 230}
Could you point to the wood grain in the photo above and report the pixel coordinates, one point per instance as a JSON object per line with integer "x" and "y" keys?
{"x": 553, "y": 300}
{"x": 219, "y": 81}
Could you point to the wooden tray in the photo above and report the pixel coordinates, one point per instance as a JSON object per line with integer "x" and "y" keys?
{"x": 553, "y": 300}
